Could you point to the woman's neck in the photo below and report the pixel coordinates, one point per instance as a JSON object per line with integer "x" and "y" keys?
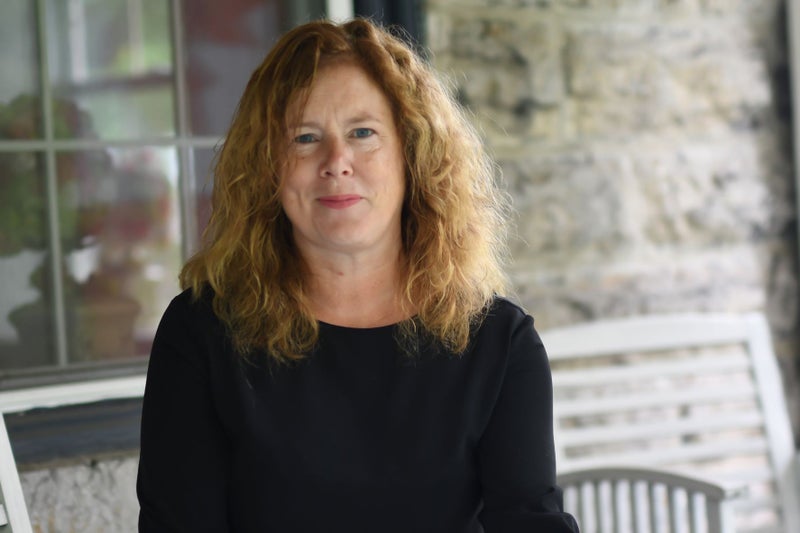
{"x": 357, "y": 293}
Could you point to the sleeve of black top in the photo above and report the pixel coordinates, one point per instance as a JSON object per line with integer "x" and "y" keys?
{"x": 516, "y": 452}
{"x": 181, "y": 483}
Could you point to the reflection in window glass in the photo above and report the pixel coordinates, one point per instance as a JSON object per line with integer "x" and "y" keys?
{"x": 26, "y": 321}
{"x": 127, "y": 37}
{"x": 126, "y": 113}
{"x": 204, "y": 183}
{"x": 224, "y": 43}
{"x": 113, "y": 59}
{"x": 19, "y": 119}
{"x": 119, "y": 214}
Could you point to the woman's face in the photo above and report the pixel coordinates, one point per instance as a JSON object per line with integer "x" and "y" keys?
{"x": 343, "y": 184}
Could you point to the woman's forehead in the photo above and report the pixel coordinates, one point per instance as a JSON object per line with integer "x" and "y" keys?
{"x": 346, "y": 83}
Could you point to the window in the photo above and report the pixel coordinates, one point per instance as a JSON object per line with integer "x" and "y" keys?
{"x": 110, "y": 112}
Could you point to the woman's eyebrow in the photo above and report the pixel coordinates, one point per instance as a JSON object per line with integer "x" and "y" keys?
{"x": 304, "y": 124}
{"x": 364, "y": 116}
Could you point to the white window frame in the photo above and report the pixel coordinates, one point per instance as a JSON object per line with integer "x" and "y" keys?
{"x": 339, "y": 10}
{"x": 20, "y": 401}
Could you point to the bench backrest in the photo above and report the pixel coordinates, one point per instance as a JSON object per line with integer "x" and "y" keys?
{"x": 644, "y": 500}
{"x": 694, "y": 393}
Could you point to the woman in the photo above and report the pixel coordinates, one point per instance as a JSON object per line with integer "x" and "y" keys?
{"x": 339, "y": 360}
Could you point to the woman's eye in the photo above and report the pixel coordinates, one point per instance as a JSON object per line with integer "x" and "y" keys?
{"x": 304, "y": 138}
{"x": 361, "y": 133}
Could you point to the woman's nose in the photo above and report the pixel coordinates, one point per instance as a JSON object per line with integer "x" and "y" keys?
{"x": 338, "y": 159}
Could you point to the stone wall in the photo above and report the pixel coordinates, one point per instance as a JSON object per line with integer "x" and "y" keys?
{"x": 94, "y": 496}
{"x": 646, "y": 144}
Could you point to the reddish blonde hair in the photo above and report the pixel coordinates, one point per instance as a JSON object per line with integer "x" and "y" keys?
{"x": 453, "y": 219}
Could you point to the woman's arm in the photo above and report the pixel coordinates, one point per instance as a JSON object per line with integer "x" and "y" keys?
{"x": 516, "y": 452}
{"x": 182, "y": 467}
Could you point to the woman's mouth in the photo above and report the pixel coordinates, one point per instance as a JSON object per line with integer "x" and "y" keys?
{"x": 341, "y": 201}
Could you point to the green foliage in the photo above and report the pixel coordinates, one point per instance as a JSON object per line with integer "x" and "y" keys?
{"x": 23, "y": 191}
{"x": 22, "y": 210}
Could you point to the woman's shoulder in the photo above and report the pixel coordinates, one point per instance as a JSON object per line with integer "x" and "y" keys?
{"x": 191, "y": 305}
{"x": 189, "y": 320}
{"x": 505, "y": 321}
{"x": 504, "y": 310}
{"x": 507, "y": 338}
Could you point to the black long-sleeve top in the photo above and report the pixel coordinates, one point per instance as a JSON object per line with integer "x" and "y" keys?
{"x": 358, "y": 437}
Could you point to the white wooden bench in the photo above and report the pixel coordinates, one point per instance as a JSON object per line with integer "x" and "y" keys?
{"x": 626, "y": 500}
{"x": 693, "y": 393}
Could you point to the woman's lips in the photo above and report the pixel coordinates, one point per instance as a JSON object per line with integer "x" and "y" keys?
{"x": 342, "y": 201}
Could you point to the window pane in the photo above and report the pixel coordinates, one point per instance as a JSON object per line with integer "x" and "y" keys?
{"x": 120, "y": 225}
{"x": 19, "y": 74}
{"x": 26, "y": 321}
{"x": 203, "y": 184}
{"x": 224, "y": 42}
{"x": 113, "y": 60}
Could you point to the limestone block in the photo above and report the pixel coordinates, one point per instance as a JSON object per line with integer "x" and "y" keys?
{"x": 516, "y": 127}
{"x": 530, "y": 52}
{"x": 482, "y": 39}
{"x": 599, "y": 58}
{"x": 625, "y": 119}
{"x": 729, "y": 86}
{"x": 704, "y": 195}
{"x": 500, "y": 100}
{"x": 597, "y": 201}
{"x": 728, "y": 278}
{"x": 497, "y": 86}
{"x": 748, "y": 8}
{"x": 744, "y": 8}
{"x": 434, "y": 4}
{"x": 438, "y": 31}
{"x": 618, "y": 6}
{"x": 575, "y": 203}
{"x": 95, "y": 497}
{"x": 692, "y": 77}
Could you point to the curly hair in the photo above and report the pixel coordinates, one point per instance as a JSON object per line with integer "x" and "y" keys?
{"x": 454, "y": 214}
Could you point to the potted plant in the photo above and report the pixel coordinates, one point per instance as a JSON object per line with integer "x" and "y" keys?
{"x": 96, "y": 308}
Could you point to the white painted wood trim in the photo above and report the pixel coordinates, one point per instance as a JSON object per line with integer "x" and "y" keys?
{"x": 580, "y": 378}
{"x": 644, "y": 333}
{"x": 16, "y": 510}
{"x": 582, "y": 436}
{"x": 776, "y": 418}
{"x": 71, "y": 394}
{"x": 339, "y": 10}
